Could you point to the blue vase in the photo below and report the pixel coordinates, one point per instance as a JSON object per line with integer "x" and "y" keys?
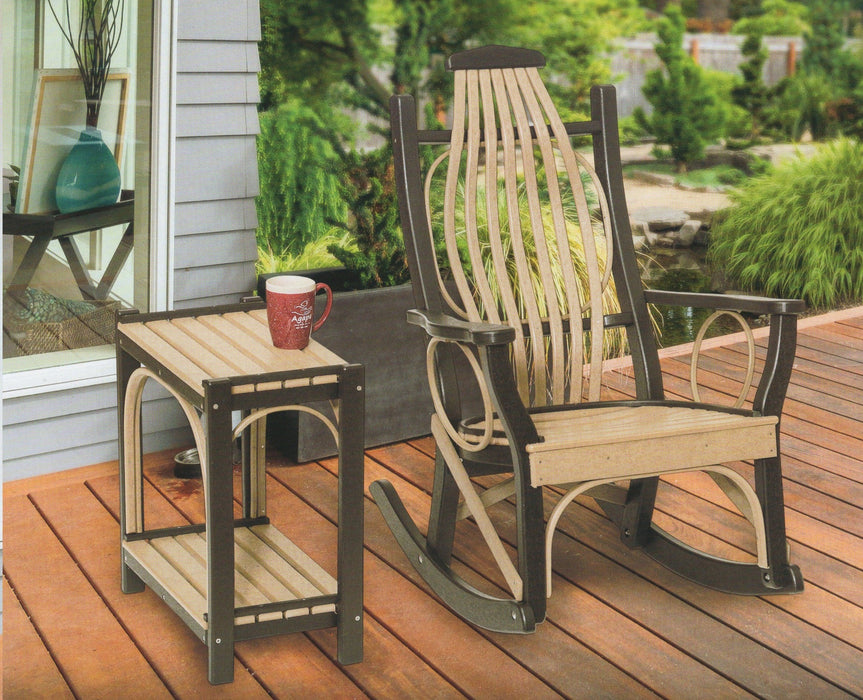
{"x": 89, "y": 177}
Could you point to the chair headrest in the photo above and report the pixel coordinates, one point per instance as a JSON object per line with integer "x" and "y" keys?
{"x": 495, "y": 56}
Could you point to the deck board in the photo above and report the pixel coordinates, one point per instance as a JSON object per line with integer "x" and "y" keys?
{"x": 90, "y": 647}
{"x": 639, "y": 596}
{"x": 40, "y": 677}
{"x": 619, "y": 625}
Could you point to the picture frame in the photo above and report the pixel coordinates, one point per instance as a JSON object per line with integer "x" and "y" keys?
{"x": 57, "y": 119}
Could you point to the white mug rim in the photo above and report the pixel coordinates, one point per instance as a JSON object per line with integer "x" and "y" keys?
{"x": 290, "y": 284}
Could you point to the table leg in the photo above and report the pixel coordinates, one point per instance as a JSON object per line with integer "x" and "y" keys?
{"x": 220, "y": 532}
{"x": 89, "y": 290}
{"x": 78, "y": 267}
{"x": 351, "y": 501}
{"x": 126, "y": 365}
{"x": 29, "y": 263}
{"x": 116, "y": 263}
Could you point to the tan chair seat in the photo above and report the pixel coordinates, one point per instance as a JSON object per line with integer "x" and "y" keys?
{"x": 625, "y": 441}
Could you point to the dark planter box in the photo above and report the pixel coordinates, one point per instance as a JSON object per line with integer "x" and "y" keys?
{"x": 367, "y": 327}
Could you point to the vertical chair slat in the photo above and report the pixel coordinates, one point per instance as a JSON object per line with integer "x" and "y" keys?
{"x": 498, "y": 275}
{"x": 544, "y": 242}
{"x": 568, "y": 297}
{"x": 538, "y": 356}
{"x": 531, "y": 312}
{"x": 451, "y": 195}
{"x": 595, "y": 285}
{"x": 472, "y": 200}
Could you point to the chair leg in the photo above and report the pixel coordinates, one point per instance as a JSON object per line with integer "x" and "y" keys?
{"x": 531, "y": 545}
{"x": 779, "y": 577}
{"x": 637, "y": 516}
{"x": 768, "y": 485}
{"x": 442, "y": 517}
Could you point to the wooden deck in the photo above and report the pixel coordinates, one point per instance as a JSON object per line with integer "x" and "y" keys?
{"x": 618, "y": 625}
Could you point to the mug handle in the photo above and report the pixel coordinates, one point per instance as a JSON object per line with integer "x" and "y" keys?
{"x": 320, "y": 322}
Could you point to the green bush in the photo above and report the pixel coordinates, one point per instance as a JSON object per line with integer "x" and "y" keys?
{"x": 778, "y": 18}
{"x": 300, "y": 195}
{"x": 314, "y": 256}
{"x": 798, "y": 231}
{"x": 799, "y": 104}
{"x": 686, "y": 111}
{"x": 630, "y": 131}
{"x": 751, "y": 94}
{"x": 736, "y": 121}
{"x": 376, "y": 256}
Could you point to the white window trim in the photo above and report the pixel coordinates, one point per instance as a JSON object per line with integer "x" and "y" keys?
{"x": 162, "y": 143}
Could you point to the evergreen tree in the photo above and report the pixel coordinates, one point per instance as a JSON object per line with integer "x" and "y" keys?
{"x": 299, "y": 187}
{"x": 752, "y": 94}
{"x": 824, "y": 42}
{"x": 686, "y": 112}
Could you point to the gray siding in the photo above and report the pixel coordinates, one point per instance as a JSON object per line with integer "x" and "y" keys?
{"x": 83, "y": 431}
{"x": 217, "y": 178}
{"x": 214, "y": 242}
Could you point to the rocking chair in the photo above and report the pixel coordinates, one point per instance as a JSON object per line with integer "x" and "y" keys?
{"x": 543, "y": 279}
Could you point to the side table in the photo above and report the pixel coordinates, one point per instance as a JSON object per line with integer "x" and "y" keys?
{"x": 45, "y": 228}
{"x": 238, "y": 578}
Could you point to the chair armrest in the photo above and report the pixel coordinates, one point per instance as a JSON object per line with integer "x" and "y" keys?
{"x": 781, "y": 343}
{"x": 439, "y": 325}
{"x": 726, "y": 302}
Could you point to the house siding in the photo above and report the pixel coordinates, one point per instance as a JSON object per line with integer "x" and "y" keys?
{"x": 214, "y": 248}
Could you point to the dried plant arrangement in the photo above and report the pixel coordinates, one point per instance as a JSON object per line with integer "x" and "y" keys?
{"x": 93, "y": 42}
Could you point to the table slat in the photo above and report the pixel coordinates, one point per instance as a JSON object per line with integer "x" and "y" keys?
{"x": 243, "y": 363}
{"x": 190, "y": 346}
{"x": 172, "y": 359}
{"x": 297, "y": 558}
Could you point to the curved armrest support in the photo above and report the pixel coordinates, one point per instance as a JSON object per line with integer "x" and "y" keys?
{"x": 776, "y": 373}
{"x": 446, "y": 327}
{"x": 726, "y": 302}
{"x": 491, "y": 341}
{"x": 781, "y": 344}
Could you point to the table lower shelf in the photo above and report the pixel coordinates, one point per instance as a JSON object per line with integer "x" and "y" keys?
{"x": 273, "y": 578}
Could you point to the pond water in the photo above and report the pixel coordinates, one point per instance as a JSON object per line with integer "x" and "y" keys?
{"x": 685, "y": 270}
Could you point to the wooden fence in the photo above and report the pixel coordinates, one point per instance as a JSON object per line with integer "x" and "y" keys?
{"x": 636, "y": 56}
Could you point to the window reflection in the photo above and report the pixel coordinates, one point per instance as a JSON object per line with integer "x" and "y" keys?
{"x": 69, "y": 73}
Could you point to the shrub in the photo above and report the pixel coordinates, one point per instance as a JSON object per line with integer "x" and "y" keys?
{"x": 735, "y": 121}
{"x": 299, "y": 186}
{"x": 751, "y": 93}
{"x": 778, "y": 18}
{"x": 798, "y": 231}
{"x": 630, "y": 131}
{"x": 686, "y": 111}
{"x": 377, "y": 255}
{"x": 799, "y": 104}
{"x": 314, "y": 256}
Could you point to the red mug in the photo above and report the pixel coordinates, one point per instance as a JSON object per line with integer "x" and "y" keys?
{"x": 291, "y": 308}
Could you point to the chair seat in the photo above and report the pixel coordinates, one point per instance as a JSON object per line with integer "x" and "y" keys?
{"x": 629, "y": 441}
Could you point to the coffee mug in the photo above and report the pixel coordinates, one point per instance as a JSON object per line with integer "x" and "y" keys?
{"x": 291, "y": 307}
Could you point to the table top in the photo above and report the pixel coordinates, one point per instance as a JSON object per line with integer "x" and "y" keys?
{"x": 57, "y": 224}
{"x": 222, "y": 345}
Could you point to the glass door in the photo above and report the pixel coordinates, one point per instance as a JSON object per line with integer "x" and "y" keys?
{"x": 72, "y": 253}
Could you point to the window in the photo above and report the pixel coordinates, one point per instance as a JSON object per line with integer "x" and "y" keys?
{"x": 60, "y": 296}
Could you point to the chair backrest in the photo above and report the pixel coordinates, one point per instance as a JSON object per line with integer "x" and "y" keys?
{"x": 536, "y": 237}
